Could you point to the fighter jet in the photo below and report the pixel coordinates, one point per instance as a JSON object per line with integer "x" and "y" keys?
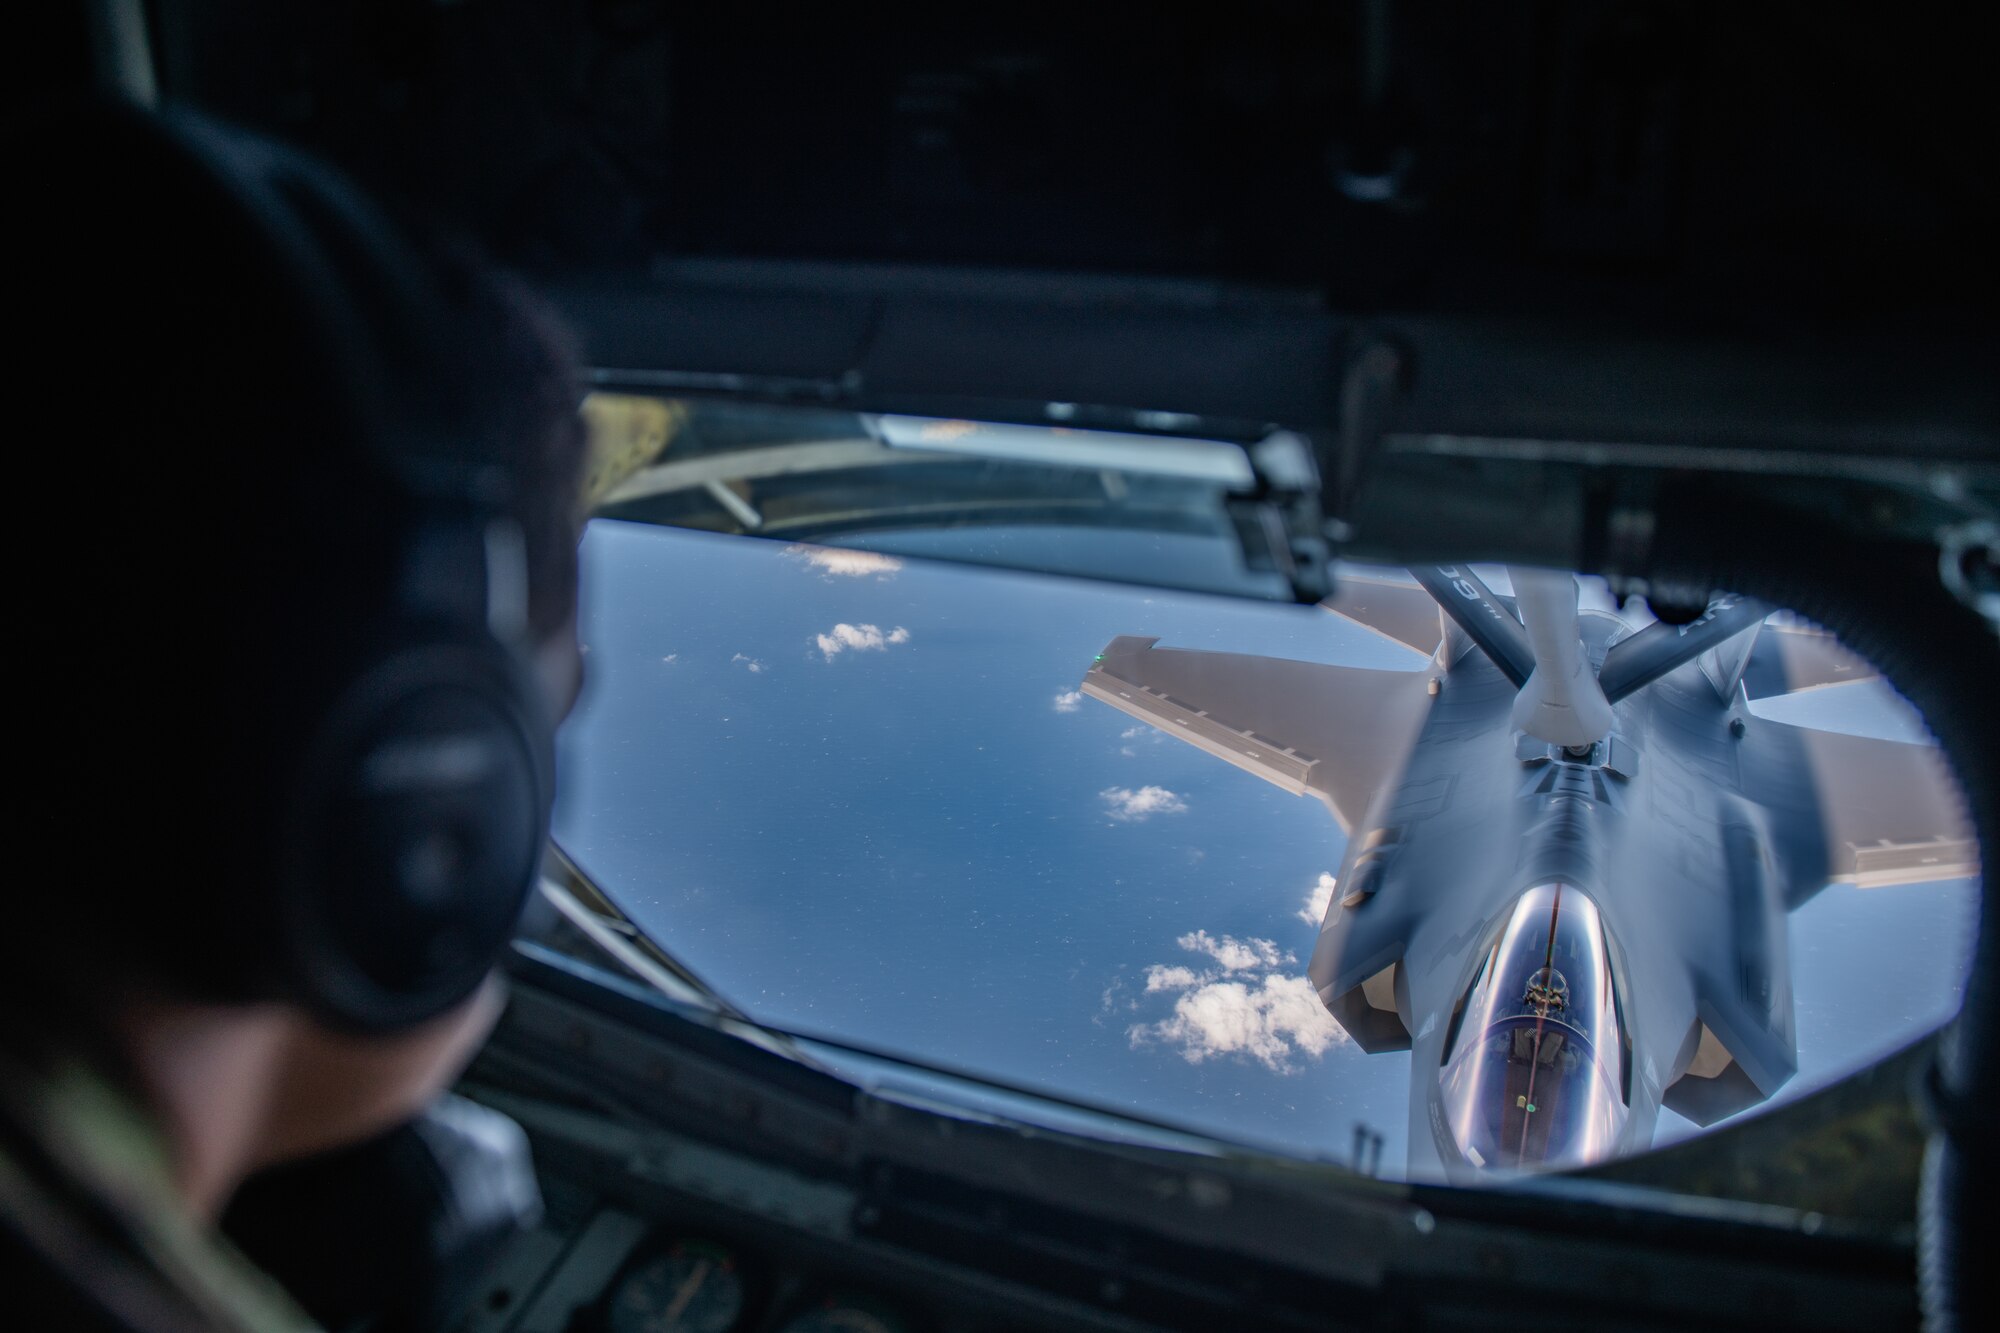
{"x": 1571, "y": 845}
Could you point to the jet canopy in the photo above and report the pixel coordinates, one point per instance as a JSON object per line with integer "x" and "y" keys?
{"x": 1534, "y": 1061}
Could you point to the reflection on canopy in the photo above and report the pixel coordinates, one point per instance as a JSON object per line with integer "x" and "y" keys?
{"x": 1534, "y": 1072}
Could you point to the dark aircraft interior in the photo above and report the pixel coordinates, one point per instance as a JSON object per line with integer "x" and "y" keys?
{"x": 1696, "y": 298}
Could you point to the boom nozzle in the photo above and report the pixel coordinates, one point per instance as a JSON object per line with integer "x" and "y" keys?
{"x": 1561, "y": 701}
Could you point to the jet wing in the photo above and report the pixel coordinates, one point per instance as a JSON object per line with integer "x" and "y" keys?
{"x": 1790, "y": 657}
{"x": 1399, "y": 611}
{"x": 1892, "y": 812}
{"x": 1335, "y": 732}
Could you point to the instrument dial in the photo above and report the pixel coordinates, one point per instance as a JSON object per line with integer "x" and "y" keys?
{"x": 840, "y": 1315}
{"x": 692, "y": 1287}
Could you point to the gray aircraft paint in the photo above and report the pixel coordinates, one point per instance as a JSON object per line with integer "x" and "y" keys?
{"x": 1692, "y": 827}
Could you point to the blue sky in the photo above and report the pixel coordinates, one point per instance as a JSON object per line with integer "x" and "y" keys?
{"x": 860, "y": 795}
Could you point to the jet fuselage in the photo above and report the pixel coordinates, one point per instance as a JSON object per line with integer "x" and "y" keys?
{"x": 1571, "y": 852}
{"x": 1651, "y": 827}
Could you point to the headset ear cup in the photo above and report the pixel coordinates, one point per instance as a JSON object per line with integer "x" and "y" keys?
{"x": 384, "y": 789}
{"x": 413, "y": 833}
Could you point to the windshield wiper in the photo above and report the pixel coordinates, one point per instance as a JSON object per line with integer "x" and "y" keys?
{"x": 577, "y": 899}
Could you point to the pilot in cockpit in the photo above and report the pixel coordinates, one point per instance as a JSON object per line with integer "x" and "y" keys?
{"x": 1530, "y": 1076}
{"x": 289, "y": 682}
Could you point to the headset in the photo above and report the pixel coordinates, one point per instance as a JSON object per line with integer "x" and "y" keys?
{"x": 400, "y": 814}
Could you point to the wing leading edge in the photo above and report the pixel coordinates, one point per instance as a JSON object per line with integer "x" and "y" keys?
{"x": 1333, "y": 732}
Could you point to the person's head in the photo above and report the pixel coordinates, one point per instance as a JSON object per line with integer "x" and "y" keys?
{"x": 307, "y": 619}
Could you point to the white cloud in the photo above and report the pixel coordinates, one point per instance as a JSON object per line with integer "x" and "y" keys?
{"x": 750, "y": 664}
{"x": 1313, "y": 910}
{"x": 1245, "y": 1005}
{"x": 1124, "y": 804}
{"x": 670, "y": 659}
{"x": 1134, "y": 737}
{"x": 1235, "y": 955}
{"x": 1068, "y": 701}
{"x": 1273, "y": 1021}
{"x": 846, "y": 564}
{"x": 860, "y": 638}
